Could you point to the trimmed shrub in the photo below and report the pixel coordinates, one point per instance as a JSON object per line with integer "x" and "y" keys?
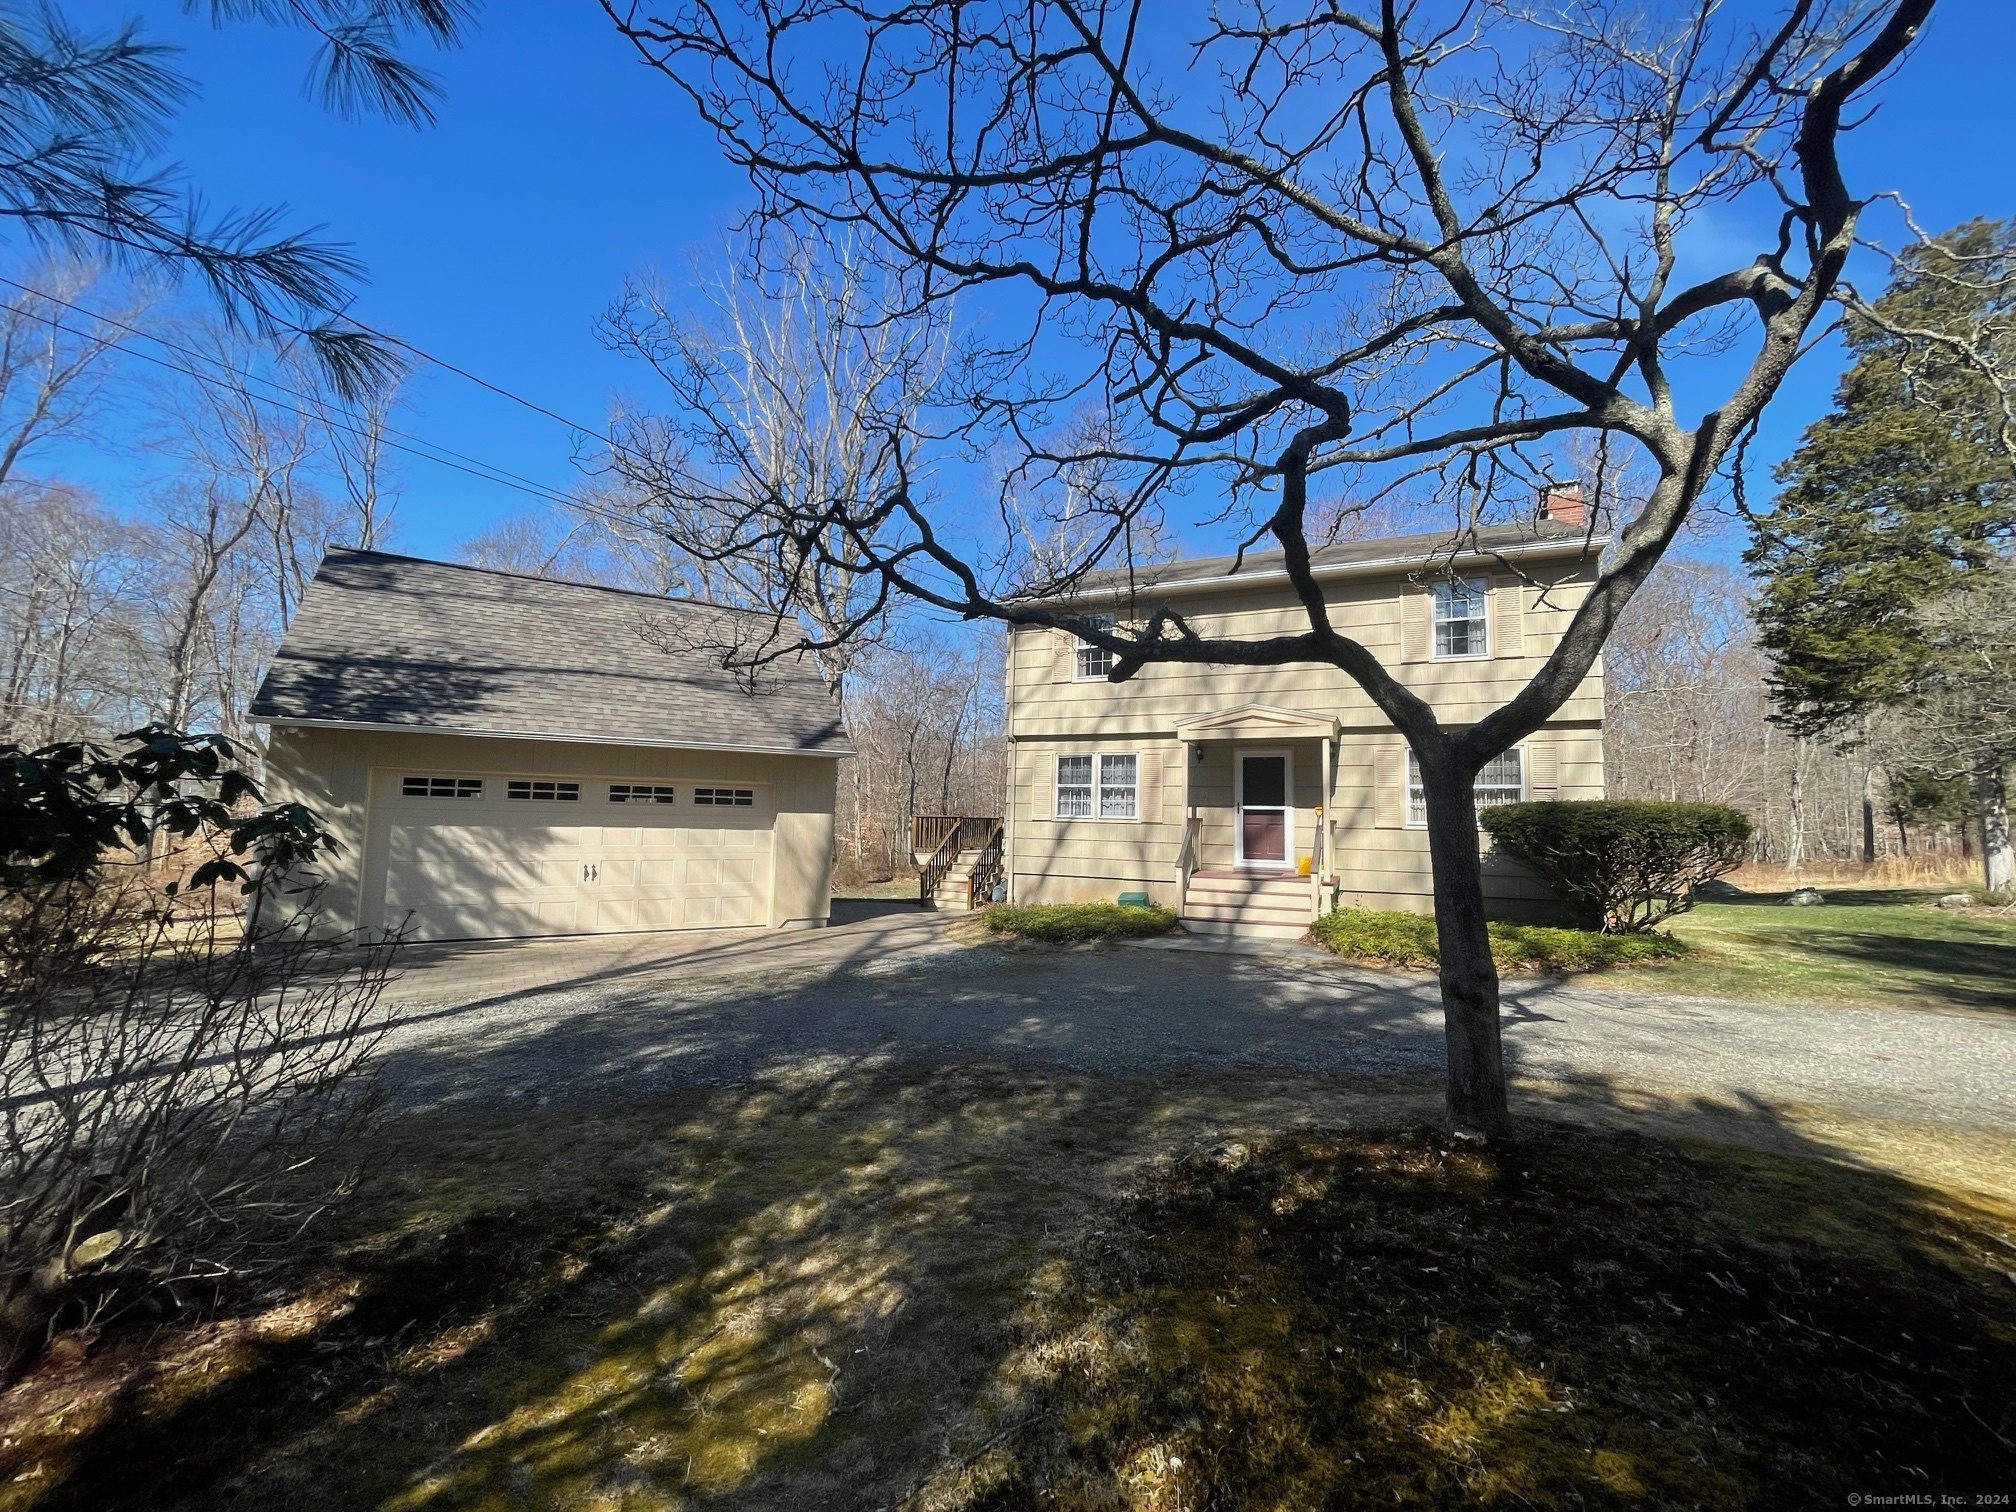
{"x": 1404, "y": 939}
{"x": 1626, "y": 865}
{"x": 1068, "y": 923}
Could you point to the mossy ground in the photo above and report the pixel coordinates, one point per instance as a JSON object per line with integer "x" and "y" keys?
{"x": 979, "y": 1287}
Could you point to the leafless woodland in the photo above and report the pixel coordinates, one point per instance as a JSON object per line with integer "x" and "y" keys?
{"x": 164, "y": 605}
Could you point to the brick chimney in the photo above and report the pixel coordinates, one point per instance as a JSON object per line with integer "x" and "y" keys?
{"x": 1561, "y": 504}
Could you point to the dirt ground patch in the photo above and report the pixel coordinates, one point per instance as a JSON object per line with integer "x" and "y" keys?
{"x": 827, "y": 1288}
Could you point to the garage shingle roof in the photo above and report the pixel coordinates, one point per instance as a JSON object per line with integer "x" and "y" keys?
{"x": 397, "y": 642}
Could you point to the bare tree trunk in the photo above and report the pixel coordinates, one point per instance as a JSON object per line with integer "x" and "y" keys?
{"x": 1998, "y": 862}
{"x": 1473, "y": 1046}
{"x": 1795, "y": 827}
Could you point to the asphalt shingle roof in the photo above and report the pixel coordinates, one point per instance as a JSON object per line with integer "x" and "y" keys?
{"x": 397, "y": 641}
{"x": 1428, "y": 548}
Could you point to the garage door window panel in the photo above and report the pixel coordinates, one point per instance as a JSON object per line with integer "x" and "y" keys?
{"x": 543, "y": 792}
{"x": 441, "y": 787}
{"x": 721, "y": 797}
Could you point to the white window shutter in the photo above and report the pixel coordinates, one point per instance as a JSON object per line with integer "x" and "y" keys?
{"x": 1389, "y": 787}
{"x": 1417, "y": 624}
{"x": 1148, "y": 795}
{"x": 1043, "y": 789}
{"x": 1543, "y": 767}
{"x": 1508, "y": 617}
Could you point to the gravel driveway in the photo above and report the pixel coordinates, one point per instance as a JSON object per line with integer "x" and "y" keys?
{"x": 562, "y": 1021}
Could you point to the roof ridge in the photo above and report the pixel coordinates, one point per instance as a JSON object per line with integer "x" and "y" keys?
{"x": 551, "y": 582}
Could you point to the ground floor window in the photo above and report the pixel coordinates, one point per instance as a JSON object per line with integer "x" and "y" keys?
{"x": 1503, "y": 780}
{"x": 1104, "y": 785}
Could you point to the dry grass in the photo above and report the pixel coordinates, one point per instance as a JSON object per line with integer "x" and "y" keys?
{"x": 990, "y": 1287}
{"x": 1359, "y": 1319}
{"x": 1944, "y": 870}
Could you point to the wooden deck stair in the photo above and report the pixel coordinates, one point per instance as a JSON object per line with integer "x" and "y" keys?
{"x": 949, "y": 849}
{"x": 954, "y": 887}
{"x": 1252, "y": 904}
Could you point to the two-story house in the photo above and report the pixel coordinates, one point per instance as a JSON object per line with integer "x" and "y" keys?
{"x": 1250, "y": 799}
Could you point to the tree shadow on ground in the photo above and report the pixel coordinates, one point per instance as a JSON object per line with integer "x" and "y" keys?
{"x": 992, "y": 1286}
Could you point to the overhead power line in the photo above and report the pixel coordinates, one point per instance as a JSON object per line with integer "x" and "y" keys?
{"x": 392, "y": 436}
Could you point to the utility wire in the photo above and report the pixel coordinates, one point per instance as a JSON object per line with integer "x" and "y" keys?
{"x": 407, "y": 442}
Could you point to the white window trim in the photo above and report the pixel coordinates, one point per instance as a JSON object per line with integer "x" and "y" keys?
{"x": 1414, "y": 783}
{"x": 1098, "y": 765}
{"x": 1078, "y": 650}
{"x": 1483, "y": 651}
{"x": 1288, "y": 861}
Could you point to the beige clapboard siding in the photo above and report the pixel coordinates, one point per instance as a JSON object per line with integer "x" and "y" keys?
{"x": 1081, "y": 860}
{"x": 1045, "y": 703}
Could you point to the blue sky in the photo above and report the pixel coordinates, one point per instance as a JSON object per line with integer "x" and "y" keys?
{"x": 560, "y": 165}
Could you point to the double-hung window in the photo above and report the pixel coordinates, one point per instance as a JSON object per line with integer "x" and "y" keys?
{"x": 1106, "y": 785}
{"x": 1503, "y": 780}
{"x": 1119, "y": 787}
{"x": 1094, "y": 663}
{"x": 1461, "y": 623}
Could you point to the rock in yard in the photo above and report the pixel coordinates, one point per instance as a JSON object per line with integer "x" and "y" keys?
{"x": 1715, "y": 888}
{"x": 1805, "y": 897}
{"x": 1955, "y": 900}
{"x": 1231, "y": 1155}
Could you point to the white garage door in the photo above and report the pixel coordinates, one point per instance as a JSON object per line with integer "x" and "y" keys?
{"x": 490, "y": 858}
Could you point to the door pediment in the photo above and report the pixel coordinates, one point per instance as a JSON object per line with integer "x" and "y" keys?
{"x": 1257, "y": 721}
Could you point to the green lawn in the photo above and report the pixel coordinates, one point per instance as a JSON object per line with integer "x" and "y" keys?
{"x": 1882, "y": 947}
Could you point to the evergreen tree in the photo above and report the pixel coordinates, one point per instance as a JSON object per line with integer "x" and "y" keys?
{"x": 1900, "y": 493}
{"x": 1891, "y": 535}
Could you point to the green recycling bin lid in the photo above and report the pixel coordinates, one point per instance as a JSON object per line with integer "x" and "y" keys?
{"x": 1134, "y": 900}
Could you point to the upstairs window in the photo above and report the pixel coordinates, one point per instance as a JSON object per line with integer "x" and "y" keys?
{"x": 441, "y": 787}
{"x": 1093, "y": 663}
{"x": 544, "y": 792}
{"x": 639, "y": 792}
{"x": 1460, "y": 619}
{"x": 720, "y": 797}
{"x": 1503, "y": 780}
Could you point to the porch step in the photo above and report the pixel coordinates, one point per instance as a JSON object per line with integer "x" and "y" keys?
{"x": 1250, "y": 929}
{"x": 1289, "y": 886}
{"x": 1264, "y": 905}
{"x": 953, "y": 892}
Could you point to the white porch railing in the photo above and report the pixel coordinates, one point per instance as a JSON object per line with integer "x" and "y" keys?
{"x": 1186, "y": 863}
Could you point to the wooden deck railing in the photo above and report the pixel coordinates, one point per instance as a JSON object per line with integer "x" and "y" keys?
{"x": 986, "y": 870}
{"x": 954, "y": 834}
{"x": 928, "y": 831}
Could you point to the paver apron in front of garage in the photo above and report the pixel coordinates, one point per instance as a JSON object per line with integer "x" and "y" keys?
{"x": 499, "y": 866}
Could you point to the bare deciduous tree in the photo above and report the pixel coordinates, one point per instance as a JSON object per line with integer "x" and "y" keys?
{"x": 1412, "y": 246}
{"x": 1960, "y": 719}
{"x": 53, "y": 365}
{"x": 785, "y": 384}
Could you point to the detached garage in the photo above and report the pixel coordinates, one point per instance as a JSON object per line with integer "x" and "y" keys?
{"x": 506, "y": 756}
